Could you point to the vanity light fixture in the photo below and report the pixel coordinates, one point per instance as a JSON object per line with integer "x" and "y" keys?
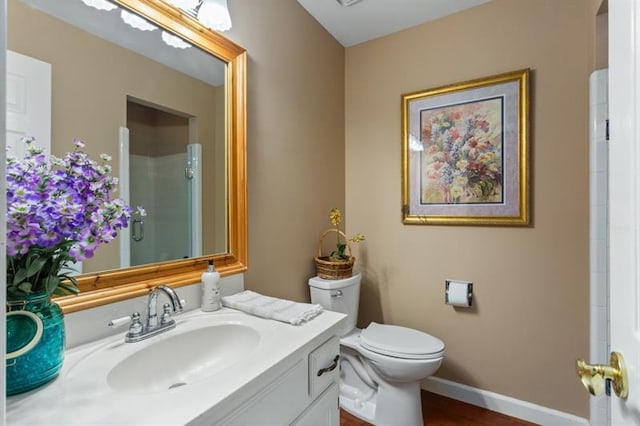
{"x": 136, "y": 21}
{"x": 184, "y": 4}
{"x": 141, "y": 24}
{"x": 214, "y": 14}
{"x": 100, "y": 4}
{"x": 174, "y": 41}
{"x": 346, "y": 3}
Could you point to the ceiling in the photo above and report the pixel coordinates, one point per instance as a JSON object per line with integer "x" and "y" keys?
{"x": 368, "y": 19}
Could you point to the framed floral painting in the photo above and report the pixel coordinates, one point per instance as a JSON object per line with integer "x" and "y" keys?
{"x": 465, "y": 153}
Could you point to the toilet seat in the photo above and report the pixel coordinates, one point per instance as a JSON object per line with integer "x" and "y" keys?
{"x": 400, "y": 342}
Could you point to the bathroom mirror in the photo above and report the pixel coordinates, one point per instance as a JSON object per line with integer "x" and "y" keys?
{"x": 188, "y": 91}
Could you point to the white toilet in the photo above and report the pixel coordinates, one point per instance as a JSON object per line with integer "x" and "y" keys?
{"x": 381, "y": 365}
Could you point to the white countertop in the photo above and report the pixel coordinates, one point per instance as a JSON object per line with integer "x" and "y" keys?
{"x": 81, "y": 395}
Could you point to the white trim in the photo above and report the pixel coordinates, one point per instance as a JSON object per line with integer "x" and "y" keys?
{"x": 3, "y": 200}
{"x": 501, "y": 403}
{"x": 624, "y": 199}
{"x": 599, "y": 408}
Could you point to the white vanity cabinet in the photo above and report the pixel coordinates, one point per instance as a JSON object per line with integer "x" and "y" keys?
{"x": 323, "y": 411}
{"x": 303, "y": 390}
{"x": 273, "y": 381}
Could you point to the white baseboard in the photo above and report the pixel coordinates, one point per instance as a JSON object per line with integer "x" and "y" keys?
{"x": 502, "y": 404}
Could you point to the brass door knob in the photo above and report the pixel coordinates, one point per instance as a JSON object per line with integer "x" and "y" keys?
{"x": 595, "y": 377}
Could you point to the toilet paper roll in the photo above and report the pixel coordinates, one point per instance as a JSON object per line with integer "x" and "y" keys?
{"x": 459, "y": 293}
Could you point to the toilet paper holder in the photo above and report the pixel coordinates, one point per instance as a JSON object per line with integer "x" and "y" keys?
{"x": 458, "y": 293}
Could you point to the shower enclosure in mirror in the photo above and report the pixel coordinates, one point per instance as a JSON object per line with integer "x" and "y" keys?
{"x": 163, "y": 176}
{"x": 164, "y": 97}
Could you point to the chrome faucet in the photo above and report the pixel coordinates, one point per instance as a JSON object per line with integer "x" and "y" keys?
{"x": 152, "y": 305}
{"x": 138, "y": 331}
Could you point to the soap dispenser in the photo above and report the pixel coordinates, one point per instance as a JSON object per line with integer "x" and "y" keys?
{"x": 211, "y": 298}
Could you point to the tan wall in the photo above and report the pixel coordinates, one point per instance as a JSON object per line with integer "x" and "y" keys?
{"x": 91, "y": 80}
{"x": 530, "y": 319}
{"x": 531, "y": 284}
{"x": 296, "y": 140}
{"x": 156, "y": 132}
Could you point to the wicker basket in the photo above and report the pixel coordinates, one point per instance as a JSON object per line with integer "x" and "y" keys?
{"x": 334, "y": 269}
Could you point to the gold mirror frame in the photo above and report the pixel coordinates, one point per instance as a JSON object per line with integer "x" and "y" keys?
{"x": 106, "y": 287}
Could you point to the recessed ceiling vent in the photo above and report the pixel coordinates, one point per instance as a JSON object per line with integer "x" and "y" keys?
{"x": 346, "y": 3}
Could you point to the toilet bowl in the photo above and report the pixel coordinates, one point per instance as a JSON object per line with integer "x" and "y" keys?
{"x": 382, "y": 365}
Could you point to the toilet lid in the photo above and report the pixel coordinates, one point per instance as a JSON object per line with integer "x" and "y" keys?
{"x": 400, "y": 342}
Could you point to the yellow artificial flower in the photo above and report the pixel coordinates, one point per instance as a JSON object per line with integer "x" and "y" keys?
{"x": 335, "y": 217}
{"x": 357, "y": 238}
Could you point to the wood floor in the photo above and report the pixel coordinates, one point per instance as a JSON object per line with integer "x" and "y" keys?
{"x": 441, "y": 411}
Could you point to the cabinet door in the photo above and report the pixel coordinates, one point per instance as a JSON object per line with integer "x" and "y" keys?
{"x": 324, "y": 366}
{"x": 275, "y": 404}
{"x": 323, "y": 411}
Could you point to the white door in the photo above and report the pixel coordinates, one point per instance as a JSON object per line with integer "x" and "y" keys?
{"x": 29, "y": 109}
{"x": 28, "y": 102}
{"x": 624, "y": 184}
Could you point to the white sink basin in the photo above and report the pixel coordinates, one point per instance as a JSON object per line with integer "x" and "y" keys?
{"x": 183, "y": 358}
{"x": 198, "y": 349}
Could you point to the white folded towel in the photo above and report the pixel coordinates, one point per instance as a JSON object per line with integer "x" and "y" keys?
{"x": 271, "y": 307}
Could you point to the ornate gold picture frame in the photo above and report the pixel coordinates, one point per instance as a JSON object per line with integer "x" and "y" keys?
{"x": 465, "y": 153}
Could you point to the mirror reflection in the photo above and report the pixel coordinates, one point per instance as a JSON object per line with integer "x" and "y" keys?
{"x": 155, "y": 104}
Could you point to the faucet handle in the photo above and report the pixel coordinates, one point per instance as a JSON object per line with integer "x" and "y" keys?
{"x": 119, "y": 322}
{"x": 166, "y": 311}
{"x": 136, "y": 327}
{"x": 166, "y": 314}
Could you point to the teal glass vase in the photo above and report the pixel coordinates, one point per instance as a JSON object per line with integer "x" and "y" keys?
{"x": 35, "y": 342}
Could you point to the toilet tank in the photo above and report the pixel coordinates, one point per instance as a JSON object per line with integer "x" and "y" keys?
{"x": 338, "y": 295}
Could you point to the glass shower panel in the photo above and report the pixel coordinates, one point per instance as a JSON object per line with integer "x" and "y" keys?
{"x": 164, "y": 179}
{"x": 193, "y": 174}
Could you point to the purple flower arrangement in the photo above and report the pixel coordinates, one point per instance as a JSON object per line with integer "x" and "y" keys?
{"x": 59, "y": 210}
